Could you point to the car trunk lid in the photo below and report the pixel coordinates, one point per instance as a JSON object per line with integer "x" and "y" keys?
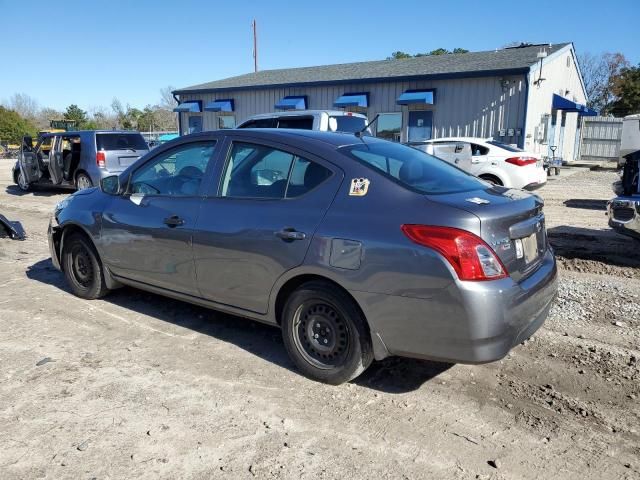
{"x": 511, "y": 222}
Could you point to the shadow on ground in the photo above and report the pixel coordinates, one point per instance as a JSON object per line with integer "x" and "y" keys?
{"x": 586, "y": 204}
{"x": 36, "y": 191}
{"x": 603, "y": 246}
{"x": 392, "y": 375}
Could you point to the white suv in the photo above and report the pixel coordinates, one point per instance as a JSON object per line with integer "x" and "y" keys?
{"x": 500, "y": 163}
{"x": 322, "y": 120}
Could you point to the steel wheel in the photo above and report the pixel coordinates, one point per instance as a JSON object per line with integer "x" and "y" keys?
{"x": 22, "y": 182}
{"x": 321, "y": 334}
{"x": 83, "y": 182}
{"x": 81, "y": 265}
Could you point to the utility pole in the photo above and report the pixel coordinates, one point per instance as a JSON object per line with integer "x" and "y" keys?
{"x": 255, "y": 46}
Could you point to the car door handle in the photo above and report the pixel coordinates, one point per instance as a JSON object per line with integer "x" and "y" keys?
{"x": 289, "y": 234}
{"x": 173, "y": 221}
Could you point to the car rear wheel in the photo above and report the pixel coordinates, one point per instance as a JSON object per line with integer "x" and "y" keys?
{"x": 82, "y": 268}
{"x": 325, "y": 333}
{"x": 22, "y": 182}
{"x": 492, "y": 179}
{"x": 83, "y": 181}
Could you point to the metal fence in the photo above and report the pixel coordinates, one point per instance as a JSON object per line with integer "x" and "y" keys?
{"x": 600, "y": 138}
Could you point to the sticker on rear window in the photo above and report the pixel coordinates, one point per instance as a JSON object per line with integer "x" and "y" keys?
{"x": 359, "y": 187}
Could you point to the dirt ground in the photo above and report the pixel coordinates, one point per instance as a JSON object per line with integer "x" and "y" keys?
{"x": 140, "y": 386}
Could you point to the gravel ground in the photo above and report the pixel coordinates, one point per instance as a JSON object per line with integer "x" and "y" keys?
{"x": 139, "y": 386}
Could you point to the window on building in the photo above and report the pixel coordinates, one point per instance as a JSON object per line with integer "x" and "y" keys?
{"x": 226, "y": 121}
{"x": 389, "y": 126}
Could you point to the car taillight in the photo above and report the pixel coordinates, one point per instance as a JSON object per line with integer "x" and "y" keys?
{"x": 521, "y": 161}
{"x": 100, "y": 159}
{"x": 468, "y": 254}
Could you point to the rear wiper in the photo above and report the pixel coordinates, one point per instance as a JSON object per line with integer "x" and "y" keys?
{"x": 360, "y": 132}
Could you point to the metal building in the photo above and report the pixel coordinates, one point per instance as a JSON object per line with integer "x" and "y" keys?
{"x": 531, "y": 96}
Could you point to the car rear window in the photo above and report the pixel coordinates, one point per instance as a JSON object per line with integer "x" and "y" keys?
{"x": 505, "y": 146}
{"x": 301, "y": 123}
{"x": 120, "y": 141}
{"x": 349, "y": 124}
{"x": 413, "y": 168}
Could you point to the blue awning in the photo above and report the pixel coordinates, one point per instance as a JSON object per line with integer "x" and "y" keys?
{"x": 416, "y": 96}
{"x": 561, "y": 103}
{"x": 352, "y": 100}
{"x": 220, "y": 106}
{"x": 292, "y": 103}
{"x": 188, "y": 107}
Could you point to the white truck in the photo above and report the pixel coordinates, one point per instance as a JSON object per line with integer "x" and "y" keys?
{"x": 624, "y": 209}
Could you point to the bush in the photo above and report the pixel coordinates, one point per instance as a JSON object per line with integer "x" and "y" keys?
{"x": 13, "y": 127}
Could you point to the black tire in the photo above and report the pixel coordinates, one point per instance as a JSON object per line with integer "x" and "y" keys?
{"x": 82, "y": 267}
{"x": 83, "y": 181}
{"x": 22, "y": 185}
{"x": 492, "y": 179}
{"x": 325, "y": 333}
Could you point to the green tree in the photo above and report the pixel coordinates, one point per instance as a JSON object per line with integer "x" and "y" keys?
{"x": 75, "y": 113}
{"x": 626, "y": 87}
{"x": 399, "y": 55}
{"x": 437, "y": 51}
{"x": 13, "y": 127}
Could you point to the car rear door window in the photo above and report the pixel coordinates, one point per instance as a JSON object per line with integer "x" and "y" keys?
{"x": 478, "y": 150}
{"x": 300, "y": 123}
{"x": 176, "y": 172}
{"x": 120, "y": 141}
{"x": 259, "y": 171}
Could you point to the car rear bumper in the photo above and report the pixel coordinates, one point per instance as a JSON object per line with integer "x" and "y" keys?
{"x": 624, "y": 215}
{"x": 467, "y": 322}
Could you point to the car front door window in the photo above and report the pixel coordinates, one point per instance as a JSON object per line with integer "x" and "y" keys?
{"x": 176, "y": 172}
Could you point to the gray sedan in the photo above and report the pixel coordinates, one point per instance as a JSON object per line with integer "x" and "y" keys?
{"x": 358, "y": 248}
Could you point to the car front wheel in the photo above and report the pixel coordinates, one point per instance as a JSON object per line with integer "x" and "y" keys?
{"x": 325, "y": 333}
{"x": 82, "y": 268}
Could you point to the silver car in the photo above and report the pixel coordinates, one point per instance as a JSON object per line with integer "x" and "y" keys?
{"x": 358, "y": 248}
{"x": 77, "y": 159}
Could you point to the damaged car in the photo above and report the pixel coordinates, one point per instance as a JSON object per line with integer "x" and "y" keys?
{"x": 356, "y": 247}
{"x": 624, "y": 209}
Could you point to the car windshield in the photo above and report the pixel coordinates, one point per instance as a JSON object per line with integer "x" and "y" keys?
{"x": 504, "y": 146}
{"x": 347, "y": 123}
{"x": 120, "y": 141}
{"x": 412, "y": 168}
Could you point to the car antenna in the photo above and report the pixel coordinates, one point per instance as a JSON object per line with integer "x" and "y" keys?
{"x": 360, "y": 132}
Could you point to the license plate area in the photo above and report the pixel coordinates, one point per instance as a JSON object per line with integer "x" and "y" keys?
{"x": 530, "y": 248}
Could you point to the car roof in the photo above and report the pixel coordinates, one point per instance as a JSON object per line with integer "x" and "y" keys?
{"x": 300, "y": 113}
{"x": 293, "y": 136}
{"x": 460, "y": 139}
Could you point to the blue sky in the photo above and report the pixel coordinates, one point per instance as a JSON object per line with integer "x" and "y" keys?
{"x": 88, "y": 52}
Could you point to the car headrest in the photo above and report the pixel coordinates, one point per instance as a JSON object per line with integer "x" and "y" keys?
{"x": 314, "y": 175}
{"x": 411, "y": 171}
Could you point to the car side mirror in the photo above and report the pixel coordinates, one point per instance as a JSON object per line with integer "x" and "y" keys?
{"x": 110, "y": 185}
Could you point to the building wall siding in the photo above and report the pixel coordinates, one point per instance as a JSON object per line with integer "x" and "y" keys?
{"x": 479, "y": 107}
{"x": 562, "y": 77}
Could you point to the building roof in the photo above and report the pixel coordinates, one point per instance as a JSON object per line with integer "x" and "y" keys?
{"x": 494, "y": 62}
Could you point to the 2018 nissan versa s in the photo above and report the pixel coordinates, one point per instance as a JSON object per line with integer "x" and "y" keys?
{"x": 358, "y": 248}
